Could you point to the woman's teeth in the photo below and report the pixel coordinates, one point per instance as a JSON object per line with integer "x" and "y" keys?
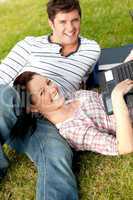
{"x": 56, "y": 97}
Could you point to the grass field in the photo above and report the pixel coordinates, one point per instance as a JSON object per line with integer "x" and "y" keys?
{"x": 108, "y": 22}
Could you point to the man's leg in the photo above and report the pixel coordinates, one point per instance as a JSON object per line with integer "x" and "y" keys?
{"x": 49, "y": 151}
{"x": 3, "y": 163}
{"x": 53, "y": 158}
{"x": 7, "y": 120}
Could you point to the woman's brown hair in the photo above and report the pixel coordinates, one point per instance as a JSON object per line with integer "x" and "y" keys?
{"x": 26, "y": 122}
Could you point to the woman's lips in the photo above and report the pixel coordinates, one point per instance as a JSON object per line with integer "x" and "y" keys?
{"x": 56, "y": 97}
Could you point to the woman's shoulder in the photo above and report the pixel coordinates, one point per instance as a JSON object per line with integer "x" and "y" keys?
{"x": 85, "y": 94}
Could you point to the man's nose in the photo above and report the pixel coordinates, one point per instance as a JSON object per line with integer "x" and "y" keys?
{"x": 69, "y": 26}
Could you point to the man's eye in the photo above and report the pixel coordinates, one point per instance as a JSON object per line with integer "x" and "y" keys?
{"x": 62, "y": 22}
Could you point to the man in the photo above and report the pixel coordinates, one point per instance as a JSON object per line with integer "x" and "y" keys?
{"x": 65, "y": 58}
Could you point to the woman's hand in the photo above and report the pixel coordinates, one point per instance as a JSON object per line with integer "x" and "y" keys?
{"x": 122, "y": 88}
{"x": 129, "y": 57}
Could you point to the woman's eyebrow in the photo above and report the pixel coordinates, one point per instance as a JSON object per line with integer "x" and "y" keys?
{"x": 33, "y": 92}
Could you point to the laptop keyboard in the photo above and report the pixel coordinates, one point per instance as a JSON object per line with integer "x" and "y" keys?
{"x": 124, "y": 71}
{"x": 119, "y": 73}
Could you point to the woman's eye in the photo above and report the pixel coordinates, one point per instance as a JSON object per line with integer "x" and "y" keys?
{"x": 42, "y": 92}
{"x": 48, "y": 82}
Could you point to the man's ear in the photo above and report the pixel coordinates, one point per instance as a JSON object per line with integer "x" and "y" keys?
{"x": 51, "y": 24}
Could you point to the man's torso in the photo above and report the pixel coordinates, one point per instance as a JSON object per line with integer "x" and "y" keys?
{"x": 40, "y": 55}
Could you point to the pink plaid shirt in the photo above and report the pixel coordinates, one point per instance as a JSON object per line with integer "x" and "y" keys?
{"x": 90, "y": 128}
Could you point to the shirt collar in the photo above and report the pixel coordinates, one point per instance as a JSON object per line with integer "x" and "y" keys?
{"x": 60, "y": 46}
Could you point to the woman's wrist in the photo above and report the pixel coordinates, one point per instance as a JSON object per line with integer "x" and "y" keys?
{"x": 116, "y": 96}
{"x": 119, "y": 105}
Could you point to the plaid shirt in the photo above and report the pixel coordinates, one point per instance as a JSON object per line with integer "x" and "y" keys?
{"x": 90, "y": 128}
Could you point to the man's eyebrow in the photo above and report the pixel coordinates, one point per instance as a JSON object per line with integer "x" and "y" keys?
{"x": 76, "y": 18}
{"x": 62, "y": 20}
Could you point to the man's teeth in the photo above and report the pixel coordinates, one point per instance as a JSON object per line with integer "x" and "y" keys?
{"x": 69, "y": 34}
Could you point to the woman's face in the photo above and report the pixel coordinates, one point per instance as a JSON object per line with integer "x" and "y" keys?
{"x": 42, "y": 91}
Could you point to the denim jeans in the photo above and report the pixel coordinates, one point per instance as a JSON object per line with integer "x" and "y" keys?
{"x": 45, "y": 147}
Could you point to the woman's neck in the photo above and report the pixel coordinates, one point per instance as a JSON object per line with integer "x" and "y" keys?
{"x": 63, "y": 113}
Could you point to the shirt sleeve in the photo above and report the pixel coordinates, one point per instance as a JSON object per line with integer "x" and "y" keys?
{"x": 15, "y": 61}
{"x": 100, "y": 142}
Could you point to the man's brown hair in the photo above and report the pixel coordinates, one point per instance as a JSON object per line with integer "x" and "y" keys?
{"x": 56, "y": 6}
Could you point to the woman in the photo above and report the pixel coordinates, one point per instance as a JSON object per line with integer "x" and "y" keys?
{"x": 82, "y": 119}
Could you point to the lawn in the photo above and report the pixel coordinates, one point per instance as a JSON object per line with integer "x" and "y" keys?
{"x": 108, "y": 22}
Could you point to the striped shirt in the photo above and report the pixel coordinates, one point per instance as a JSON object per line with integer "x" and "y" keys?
{"x": 40, "y": 55}
{"x": 90, "y": 128}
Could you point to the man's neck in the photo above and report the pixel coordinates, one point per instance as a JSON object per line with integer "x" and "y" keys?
{"x": 66, "y": 49}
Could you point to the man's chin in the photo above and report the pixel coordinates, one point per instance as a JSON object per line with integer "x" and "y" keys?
{"x": 70, "y": 42}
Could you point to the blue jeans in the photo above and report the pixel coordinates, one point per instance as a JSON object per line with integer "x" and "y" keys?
{"x": 46, "y": 148}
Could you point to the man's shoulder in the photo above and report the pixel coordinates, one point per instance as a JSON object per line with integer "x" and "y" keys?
{"x": 88, "y": 42}
{"x": 35, "y": 39}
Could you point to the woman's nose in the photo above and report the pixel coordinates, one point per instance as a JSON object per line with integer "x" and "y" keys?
{"x": 52, "y": 89}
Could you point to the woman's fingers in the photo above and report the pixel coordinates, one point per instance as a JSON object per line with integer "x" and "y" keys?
{"x": 123, "y": 87}
{"x": 129, "y": 57}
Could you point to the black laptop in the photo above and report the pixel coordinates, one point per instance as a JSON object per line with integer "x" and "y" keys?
{"x": 109, "y": 78}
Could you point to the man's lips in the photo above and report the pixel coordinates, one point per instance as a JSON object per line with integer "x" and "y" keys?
{"x": 70, "y": 34}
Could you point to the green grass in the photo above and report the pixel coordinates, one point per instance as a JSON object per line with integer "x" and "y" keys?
{"x": 108, "y": 22}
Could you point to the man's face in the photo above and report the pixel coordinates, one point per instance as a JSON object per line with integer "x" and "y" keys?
{"x": 66, "y": 27}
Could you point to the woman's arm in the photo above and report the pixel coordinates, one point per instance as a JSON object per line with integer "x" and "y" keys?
{"x": 124, "y": 129}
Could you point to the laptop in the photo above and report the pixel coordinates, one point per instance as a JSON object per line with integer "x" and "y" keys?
{"x": 108, "y": 79}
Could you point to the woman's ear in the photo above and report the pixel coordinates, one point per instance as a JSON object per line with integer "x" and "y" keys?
{"x": 33, "y": 109}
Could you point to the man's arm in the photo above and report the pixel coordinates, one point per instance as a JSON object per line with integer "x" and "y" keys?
{"x": 15, "y": 61}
